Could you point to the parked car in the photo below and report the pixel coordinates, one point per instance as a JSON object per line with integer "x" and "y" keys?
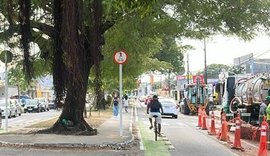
{"x": 170, "y": 107}
{"x": 11, "y": 108}
{"x": 21, "y": 100}
{"x": 51, "y": 105}
{"x": 43, "y": 103}
{"x": 18, "y": 108}
{"x": 32, "y": 105}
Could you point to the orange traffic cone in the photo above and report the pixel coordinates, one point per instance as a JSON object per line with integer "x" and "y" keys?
{"x": 212, "y": 128}
{"x": 204, "y": 120}
{"x": 263, "y": 139}
{"x": 199, "y": 117}
{"x": 223, "y": 135}
{"x": 237, "y": 134}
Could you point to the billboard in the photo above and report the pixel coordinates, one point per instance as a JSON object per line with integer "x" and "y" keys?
{"x": 196, "y": 78}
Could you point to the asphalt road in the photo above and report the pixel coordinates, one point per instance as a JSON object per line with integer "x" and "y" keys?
{"x": 190, "y": 140}
{"x": 183, "y": 135}
{"x": 27, "y": 119}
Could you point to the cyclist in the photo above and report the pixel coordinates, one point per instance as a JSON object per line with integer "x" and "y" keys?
{"x": 155, "y": 107}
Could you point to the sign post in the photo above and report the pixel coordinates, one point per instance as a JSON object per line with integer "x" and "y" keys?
{"x": 6, "y": 57}
{"x": 120, "y": 57}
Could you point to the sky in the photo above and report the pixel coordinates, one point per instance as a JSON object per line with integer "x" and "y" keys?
{"x": 222, "y": 50}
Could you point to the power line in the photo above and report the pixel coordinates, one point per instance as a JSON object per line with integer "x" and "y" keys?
{"x": 253, "y": 56}
{"x": 262, "y": 53}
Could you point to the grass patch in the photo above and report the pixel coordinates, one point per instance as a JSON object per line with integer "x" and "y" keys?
{"x": 95, "y": 120}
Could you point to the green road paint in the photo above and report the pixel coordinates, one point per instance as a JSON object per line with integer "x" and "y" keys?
{"x": 152, "y": 147}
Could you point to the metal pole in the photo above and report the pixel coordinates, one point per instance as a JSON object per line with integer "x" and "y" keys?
{"x": 187, "y": 68}
{"x": 6, "y": 94}
{"x": 121, "y": 101}
{"x": 205, "y": 65}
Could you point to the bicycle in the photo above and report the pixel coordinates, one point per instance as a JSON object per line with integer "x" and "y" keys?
{"x": 155, "y": 127}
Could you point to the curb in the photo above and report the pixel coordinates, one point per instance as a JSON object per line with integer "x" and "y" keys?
{"x": 116, "y": 146}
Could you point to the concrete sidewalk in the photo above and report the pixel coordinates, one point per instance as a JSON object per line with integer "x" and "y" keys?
{"x": 108, "y": 137}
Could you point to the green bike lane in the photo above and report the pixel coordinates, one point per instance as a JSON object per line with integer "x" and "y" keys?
{"x": 150, "y": 146}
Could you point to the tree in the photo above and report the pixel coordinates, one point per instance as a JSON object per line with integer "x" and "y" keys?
{"x": 71, "y": 36}
{"x": 172, "y": 54}
{"x": 213, "y": 70}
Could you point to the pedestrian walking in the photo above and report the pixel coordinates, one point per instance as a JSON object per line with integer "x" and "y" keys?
{"x": 126, "y": 103}
{"x": 115, "y": 105}
{"x": 262, "y": 111}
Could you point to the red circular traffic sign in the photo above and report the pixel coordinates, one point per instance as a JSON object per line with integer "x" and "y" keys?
{"x": 120, "y": 57}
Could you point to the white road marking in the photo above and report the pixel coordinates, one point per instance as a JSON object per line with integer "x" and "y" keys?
{"x": 131, "y": 119}
{"x": 139, "y": 132}
{"x": 136, "y": 115}
{"x": 141, "y": 143}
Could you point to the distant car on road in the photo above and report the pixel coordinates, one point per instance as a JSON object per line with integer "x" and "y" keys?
{"x": 170, "y": 107}
{"x": 142, "y": 98}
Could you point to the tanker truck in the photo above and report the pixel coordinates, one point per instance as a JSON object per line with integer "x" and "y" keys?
{"x": 246, "y": 95}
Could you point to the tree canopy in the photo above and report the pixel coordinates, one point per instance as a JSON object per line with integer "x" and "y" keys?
{"x": 213, "y": 70}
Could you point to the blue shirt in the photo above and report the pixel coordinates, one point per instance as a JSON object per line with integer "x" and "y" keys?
{"x": 155, "y": 106}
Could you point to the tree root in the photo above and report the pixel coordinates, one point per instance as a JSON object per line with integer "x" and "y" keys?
{"x": 81, "y": 128}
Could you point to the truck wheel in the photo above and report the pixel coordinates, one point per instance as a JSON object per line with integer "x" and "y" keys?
{"x": 186, "y": 109}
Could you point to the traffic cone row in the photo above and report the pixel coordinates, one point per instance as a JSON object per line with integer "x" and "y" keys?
{"x": 237, "y": 134}
{"x": 212, "y": 130}
{"x": 203, "y": 120}
{"x": 263, "y": 139}
{"x": 223, "y": 133}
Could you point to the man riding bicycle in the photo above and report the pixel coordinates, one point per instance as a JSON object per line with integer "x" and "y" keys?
{"x": 155, "y": 106}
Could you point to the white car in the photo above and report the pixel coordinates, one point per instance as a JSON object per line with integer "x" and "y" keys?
{"x": 19, "y": 109}
{"x": 43, "y": 103}
{"x": 11, "y": 108}
{"x": 169, "y": 106}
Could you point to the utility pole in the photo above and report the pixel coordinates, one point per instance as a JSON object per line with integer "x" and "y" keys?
{"x": 187, "y": 68}
{"x": 205, "y": 65}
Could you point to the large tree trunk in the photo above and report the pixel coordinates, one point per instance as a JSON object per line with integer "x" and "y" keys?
{"x": 74, "y": 56}
{"x": 78, "y": 57}
{"x": 100, "y": 102}
{"x": 73, "y": 110}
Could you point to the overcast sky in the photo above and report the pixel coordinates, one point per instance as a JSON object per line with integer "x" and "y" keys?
{"x": 222, "y": 50}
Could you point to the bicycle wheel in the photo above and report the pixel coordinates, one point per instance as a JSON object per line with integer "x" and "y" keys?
{"x": 156, "y": 131}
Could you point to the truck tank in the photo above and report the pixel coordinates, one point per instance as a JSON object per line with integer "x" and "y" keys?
{"x": 249, "y": 94}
